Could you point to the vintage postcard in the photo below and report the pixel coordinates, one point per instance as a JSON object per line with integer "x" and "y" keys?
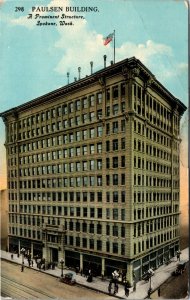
{"x": 94, "y": 149}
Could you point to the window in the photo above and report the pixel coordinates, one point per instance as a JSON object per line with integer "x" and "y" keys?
{"x": 92, "y": 213}
{"x": 92, "y": 116}
{"x": 115, "y": 213}
{"x": 99, "y": 131}
{"x": 115, "y": 247}
{"x": 115, "y": 179}
{"x": 122, "y": 161}
{"x": 108, "y": 95}
{"x": 78, "y": 181}
{"x": 99, "y": 148}
{"x": 115, "y": 109}
{"x": 84, "y": 165}
{"x": 85, "y": 118}
{"x": 77, "y": 135}
{"x": 115, "y": 92}
{"x": 99, "y": 164}
{"x": 92, "y": 180}
{"x": 115, "y": 196}
{"x": 71, "y": 107}
{"x": 84, "y": 211}
{"x": 99, "y": 114}
{"x": 91, "y": 229}
{"x": 115, "y": 162}
{"x": 92, "y": 196}
{"x": 77, "y": 151}
{"x": 91, "y": 100}
{"x": 99, "y": 196}
{"x": 123, "y": 196}
{"x": 77, "y": 166}
{"x": 108, "y": 128}
{"x": 107, "y": 111}
{"x": 85, "y": 181}
{"x": 122, "y": 125}
{"x": 99, "y": 213}
{"x": 84, "y": 103}
{"x": 115, "y": 145}
{"x": 115, "y": 230}
{"x": 99, "y": 245}
{"x": 123, "y": 143}
{"x": 92, "y": 164}
{"x": 115, "y": 127}
{"x": 99, "y": 98}
{"x": 91, "y": 243}
{"x": 84, "y": 134}
{"x": 78, "y": 196}
{"x": 122, "y": 179}
{"x": 92, "y": 132}
{"x": 84, "y": 149}
{"x": 77, "y": 120}
{"x": 84, "y": 194}
{"x": 92, "y": 149}
{"x": 107, "y": 163}
{"x": 99, "y": 180}
{"x": 77, "y": 105}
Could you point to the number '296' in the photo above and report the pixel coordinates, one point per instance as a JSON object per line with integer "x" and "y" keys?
{"x": 19, "y": 9}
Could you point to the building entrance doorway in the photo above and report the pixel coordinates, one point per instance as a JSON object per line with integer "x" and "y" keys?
{"x": 54, "y": 255}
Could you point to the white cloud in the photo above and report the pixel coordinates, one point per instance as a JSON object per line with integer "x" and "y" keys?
{"x": 80, "y": 45}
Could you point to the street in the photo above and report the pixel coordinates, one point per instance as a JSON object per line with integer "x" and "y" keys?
{"x": 36, "y": 285}
{"x": 176, "y": 286}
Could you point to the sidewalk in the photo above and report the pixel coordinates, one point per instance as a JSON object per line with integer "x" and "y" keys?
{"x": 160, "y": 276}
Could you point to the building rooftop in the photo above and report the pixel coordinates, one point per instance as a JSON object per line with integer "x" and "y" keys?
{"x": 122, "y": 66}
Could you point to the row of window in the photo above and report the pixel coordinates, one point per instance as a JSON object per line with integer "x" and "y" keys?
{"x": 154, "y": 135}
{"x": 140, "y": 196}
{"x": 151, "y": 242}
{"x": 151, "y": 211}
{"x": 153, "y": 226}
{"x": 76, "y": 105}
{"x": 146, "y": 106}
{"x": 111, "y": 196}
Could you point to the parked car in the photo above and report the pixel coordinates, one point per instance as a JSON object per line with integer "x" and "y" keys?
{"x": 68, "y": 278}
{"x": 181, "y": 266}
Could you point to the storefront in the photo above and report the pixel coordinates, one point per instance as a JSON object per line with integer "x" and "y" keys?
{"x": 72, "y": 259}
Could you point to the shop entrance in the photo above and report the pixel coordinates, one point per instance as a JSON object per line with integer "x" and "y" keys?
{"x": 54, "y": 255}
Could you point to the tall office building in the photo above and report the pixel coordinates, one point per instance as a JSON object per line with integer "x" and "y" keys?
{"x": 93, "y": 172}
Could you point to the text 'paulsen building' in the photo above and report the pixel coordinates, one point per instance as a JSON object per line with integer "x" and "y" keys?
{"x": 93, "y": 172}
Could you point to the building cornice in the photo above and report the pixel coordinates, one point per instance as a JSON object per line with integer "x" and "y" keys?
{"x": 129, "y": 68}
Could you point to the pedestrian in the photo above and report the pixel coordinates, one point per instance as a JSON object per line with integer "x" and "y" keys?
{"x": 109, "y": 288}
{"x": 134, "y": 286}
{"x": 149, "y": 293}
{"x": 12, "y": 256}
{"x": 126, "y": 292}
{"x": 116, "y": 287}
{"x": 159, "y": 292}
{"x": 126, "y": 289}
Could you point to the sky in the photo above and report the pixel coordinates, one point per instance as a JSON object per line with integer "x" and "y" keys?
{"x": 35, "y": 59}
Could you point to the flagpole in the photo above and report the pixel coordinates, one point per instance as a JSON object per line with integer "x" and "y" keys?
{"x": 114, "y": 47}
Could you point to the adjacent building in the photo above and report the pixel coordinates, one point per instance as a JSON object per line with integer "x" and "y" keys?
{"x": 93, "y": 172}
{"x": 4, "y": 218}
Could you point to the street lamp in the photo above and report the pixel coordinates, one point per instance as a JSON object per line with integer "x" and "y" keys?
{"x": 61, "y": 262}
{"x": 22, "y": 251}
{"x": 151, "y": 273}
